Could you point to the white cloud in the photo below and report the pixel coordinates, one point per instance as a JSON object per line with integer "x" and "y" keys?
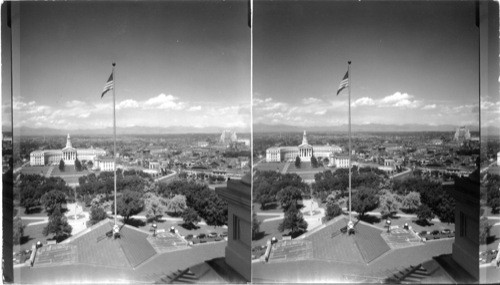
{"x": 194, "y": 108}
{"x": 398, "y": 99}
{"x": 364, "y": 101}
{"x": 163, "y": 101}
{"x": 310, "y": 100}
{"x": 74, "y": 103}
{"x": 127, "y": 104}
{"x": 429, "y": 107}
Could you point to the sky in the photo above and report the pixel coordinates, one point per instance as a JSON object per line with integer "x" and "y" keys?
{"x": 177, "y": 64}
{"x": 412, "y": 63}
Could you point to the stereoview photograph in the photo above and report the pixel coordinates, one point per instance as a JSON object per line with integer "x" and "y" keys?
{"x": 365, "y": 142}
{"x": 131, "y": 141}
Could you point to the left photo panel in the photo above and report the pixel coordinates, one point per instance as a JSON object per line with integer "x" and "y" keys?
{"x": 129, "y": 127}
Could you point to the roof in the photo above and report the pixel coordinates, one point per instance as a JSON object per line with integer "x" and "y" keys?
{"x": 337, "y": 256}
{"x": 91, "y": 257}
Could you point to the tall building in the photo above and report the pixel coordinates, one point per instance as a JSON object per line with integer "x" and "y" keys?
{"x": 228, "y": 137}
{"x": 461, "y": 134}
{"x": 304, "y": 151}
{"x": 68, "y": 154}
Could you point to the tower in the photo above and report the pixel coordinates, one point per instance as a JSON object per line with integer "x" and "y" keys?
{"x": 304, "y": 138}
{"x": 68, "y": 142}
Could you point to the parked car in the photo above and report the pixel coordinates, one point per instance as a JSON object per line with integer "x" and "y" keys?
{"x": 446, "y": 231}
{"x": 189, "y": 237}
{"x": 435, "y": 232}
{"x": 212, "y": 235}
{"x": 224, "y": 234}
{"x": 201, "y": 236}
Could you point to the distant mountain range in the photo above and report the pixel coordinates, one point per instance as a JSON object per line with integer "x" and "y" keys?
{"x": 263, "y": 128}
{"x": 136, "y": 130}
{"x": 257, "y": 128}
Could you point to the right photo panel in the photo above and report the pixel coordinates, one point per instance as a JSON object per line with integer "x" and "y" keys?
{"x": 366, "y": 142}
{"x": 489, "y": 223}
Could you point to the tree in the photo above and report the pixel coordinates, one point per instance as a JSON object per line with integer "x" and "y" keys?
{"x": 255, "y": 225}
{"x": 314, "y": 161}
{"x": 263, "y": 192}
{"x": 424, "y": 213}
{"x": 97, "y": 214}
{"x": 215, "y": 211}
{"x": 177, "y": 205}
{"x": 190, "y": 217}
{"x": 411, "y": 202}
{"x": 364, "y": 200}
{"x": 326, "y": 161}
{"x": 97, "y": 201}
{"x": 155, "y": 206}
{"x": 18, "y": 230}
{"x": 389, "y": 203}
{"x": 29, "y": 197}
{"x": 493, "y": 198}
{"x": 484, "y": 230}
{"x": 78, "y": 165}
{"x": 52, "y": 200}
{"x": 58, "y": 225}
{"x": 288, "y": 196}
{"x": 61, "y": 165}
{"x": 294, "y": 221}
{"x": 297, "y": 162}
{"x": 332, "y": 210}
{"x": 129, "y": 204}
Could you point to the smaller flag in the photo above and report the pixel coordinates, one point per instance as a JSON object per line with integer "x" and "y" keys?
{"x": 109, "y": 85}
{"x": 344, "y": 83}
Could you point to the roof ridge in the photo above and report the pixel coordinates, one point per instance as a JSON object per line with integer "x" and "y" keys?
{"x": 86, "y": 231}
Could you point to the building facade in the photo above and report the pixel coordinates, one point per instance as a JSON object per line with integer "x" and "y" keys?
{"x": 104, "y": 164}
{"x": 68, "y": 154}
{"x": 304, "y": 151}
{"x": 238, "y": 195}
{"x": 461, "y": 134}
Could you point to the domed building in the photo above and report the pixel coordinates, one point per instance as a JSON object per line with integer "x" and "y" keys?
{"x": 68, "y": 154}
{"x": 304, "y": 151}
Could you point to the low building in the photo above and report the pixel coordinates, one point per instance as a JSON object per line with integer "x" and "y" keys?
{"x": 304, "y": 151}
{"x": 202, "y": 144}
{"x": 68, "y": 154}
{"x": 342, "y": 161}
{"x": 104, "y": 164}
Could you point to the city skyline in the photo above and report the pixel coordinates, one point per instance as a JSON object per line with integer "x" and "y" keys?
{"x": 412, "y": 63}
{"x": 177, "y": 64}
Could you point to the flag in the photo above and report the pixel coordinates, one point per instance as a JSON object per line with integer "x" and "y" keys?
{"x": 109, "y": 85}
{"x": 344, "y": 83}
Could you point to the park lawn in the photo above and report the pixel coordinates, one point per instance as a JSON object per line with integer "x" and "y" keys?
{"x": 68, "y": 170}
{"x": 32, "y": 234}
{"x": 487, "y": 212}
{"x": 35, "y": 170}
{"x": 268, "y": 230}
{"x": 35, "y": 212}
{"x": 400, "y": 221}
{"x": 205, "y": 229}
{"x": 270, "y": 166}
{"x": 305, "y": 167}
{"x": 275, "y": 209}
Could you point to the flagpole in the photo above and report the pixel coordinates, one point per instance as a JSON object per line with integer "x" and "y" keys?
{"x": 349, "y": 85}
{"x": 114, "y": 134}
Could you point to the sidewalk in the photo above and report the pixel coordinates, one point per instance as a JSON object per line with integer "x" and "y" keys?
{"x": 397, "y": 214}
